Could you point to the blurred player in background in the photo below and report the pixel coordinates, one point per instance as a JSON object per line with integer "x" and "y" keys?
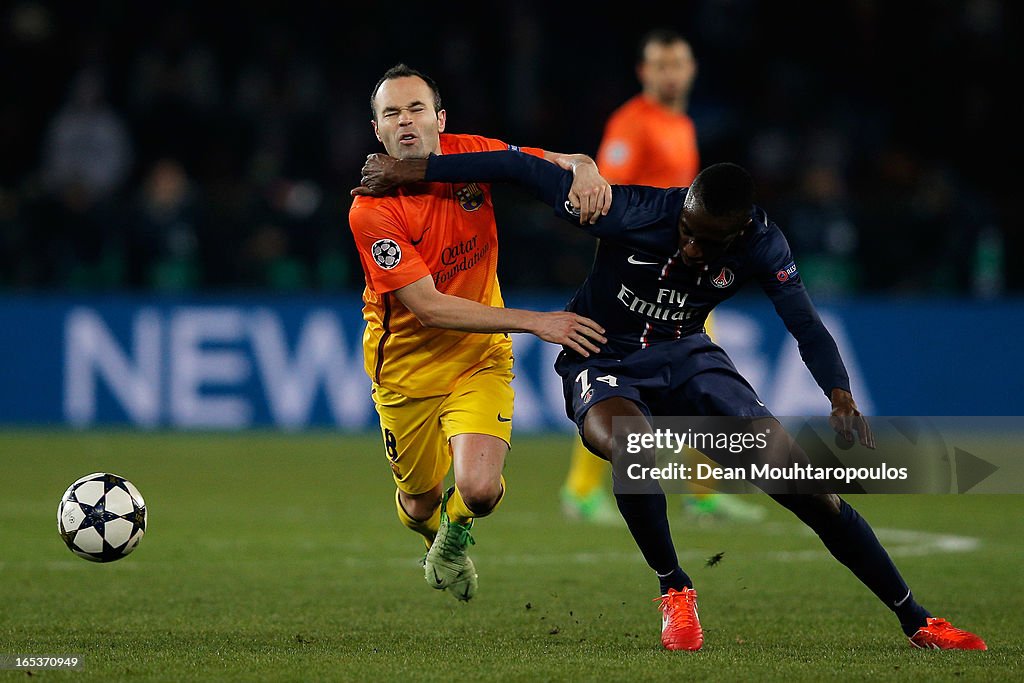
{"x": 436, "y": 345}
{"x": 649, "y": 140}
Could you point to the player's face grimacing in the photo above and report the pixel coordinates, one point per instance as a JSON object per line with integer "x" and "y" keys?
{"x": 704, "y": 238}
{"x": 406, "y": 122}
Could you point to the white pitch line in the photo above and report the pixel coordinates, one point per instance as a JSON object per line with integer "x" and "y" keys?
{"x": 899, "y": 543}
{"x": 912, "y": 542}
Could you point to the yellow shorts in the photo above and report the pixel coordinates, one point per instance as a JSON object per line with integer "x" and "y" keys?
{"x": 416, "y": 431}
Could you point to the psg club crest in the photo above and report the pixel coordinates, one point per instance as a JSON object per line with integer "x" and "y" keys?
{"x": 470, "y": 197}
{"x": 386, "y": 253}
{"x": 723, "y": 279}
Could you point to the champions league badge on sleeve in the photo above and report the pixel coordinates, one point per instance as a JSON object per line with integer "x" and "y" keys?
{"x": 386, "y": 253}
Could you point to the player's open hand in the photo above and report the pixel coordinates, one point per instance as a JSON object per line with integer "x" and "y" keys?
{"x": 579, "y": 333}
{"x": 382, "y": 173}
{"x": 590, "y": 192}
{"x": 846, "y": 419}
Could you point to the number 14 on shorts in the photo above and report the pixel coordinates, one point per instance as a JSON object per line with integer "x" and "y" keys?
{"x": 584, "y": 379}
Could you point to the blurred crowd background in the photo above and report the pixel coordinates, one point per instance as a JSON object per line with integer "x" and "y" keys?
{"x": 206, "y": 146}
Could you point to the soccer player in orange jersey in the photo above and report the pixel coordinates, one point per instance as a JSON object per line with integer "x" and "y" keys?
{"x": 649, "y": 140}
{"x": 436, "y": 344}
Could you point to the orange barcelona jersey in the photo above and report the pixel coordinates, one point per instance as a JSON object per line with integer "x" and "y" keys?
{"x": 647, "y": 144}
{"x": 446, "y": 231}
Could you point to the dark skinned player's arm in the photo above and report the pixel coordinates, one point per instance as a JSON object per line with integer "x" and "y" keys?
{"x": 633, "y": 207}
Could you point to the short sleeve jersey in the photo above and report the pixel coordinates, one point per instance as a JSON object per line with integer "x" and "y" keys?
{"x": 645, "y": 143}
{"x": 444, "y": 231}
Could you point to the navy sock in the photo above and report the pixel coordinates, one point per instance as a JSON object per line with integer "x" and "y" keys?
{"x": 850, "y": 539}
{"x": 677, "y": 579}
{"x": 647, "y": 519}
{"x": 911, "y": 615}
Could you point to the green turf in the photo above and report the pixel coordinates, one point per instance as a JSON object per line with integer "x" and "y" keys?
{"x": 278, "y": 557}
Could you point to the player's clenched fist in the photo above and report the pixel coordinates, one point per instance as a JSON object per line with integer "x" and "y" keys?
{"x": 574, "y": 331}
{"x": 590, "y": 193}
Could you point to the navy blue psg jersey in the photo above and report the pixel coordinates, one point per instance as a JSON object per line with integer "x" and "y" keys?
{"x": 639, "y": 289}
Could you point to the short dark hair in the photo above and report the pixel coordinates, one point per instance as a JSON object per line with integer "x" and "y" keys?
{"x": 660, "y": 36}
{"x": 401, "y": 70}
{"x": 724, "y": 189}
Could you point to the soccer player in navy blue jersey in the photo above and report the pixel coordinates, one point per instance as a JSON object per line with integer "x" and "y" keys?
{"x": 665, "y": 259}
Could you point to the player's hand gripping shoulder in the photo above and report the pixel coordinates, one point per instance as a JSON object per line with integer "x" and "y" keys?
{"x": 845, "y": 418}
{"x": 590, "y": 192}
{"x": 382, "y": 173}
{"x": 573, "y": 331}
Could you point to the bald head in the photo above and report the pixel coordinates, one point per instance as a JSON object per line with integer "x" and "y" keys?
{"x": 722, "y": 191}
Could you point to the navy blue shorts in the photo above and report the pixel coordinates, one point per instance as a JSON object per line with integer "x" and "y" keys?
{"x": 691, "y": 376}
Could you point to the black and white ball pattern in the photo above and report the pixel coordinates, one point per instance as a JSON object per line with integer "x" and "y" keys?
{"x": 102, "y": 517}
{"x": 386, "y": 253}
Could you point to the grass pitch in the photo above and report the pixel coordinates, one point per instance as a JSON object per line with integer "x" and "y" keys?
{"x": 279, "y": 558}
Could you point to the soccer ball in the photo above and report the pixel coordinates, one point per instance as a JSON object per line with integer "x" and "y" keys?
{"x": 101, "y": 517}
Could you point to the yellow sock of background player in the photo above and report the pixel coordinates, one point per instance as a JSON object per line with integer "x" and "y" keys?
{"x": 587, "y": 472}
{"x": 584, "y": 495}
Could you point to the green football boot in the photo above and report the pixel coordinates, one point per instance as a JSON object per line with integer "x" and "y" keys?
{"x": 597, "y": 507}
{"x": 464, "y": 587}
{"x": 723, "y": 507}
{"x": 446, "y": 564}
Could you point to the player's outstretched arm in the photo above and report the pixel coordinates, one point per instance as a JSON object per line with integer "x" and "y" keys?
{"x": 821, "y": 356}
{"x": 550, "y": 183}
{"x": 436, "y": 309}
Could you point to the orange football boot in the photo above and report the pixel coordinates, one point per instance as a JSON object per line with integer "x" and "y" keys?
{"x": 939, "y": 634}
{"x": 680, "y": 628}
